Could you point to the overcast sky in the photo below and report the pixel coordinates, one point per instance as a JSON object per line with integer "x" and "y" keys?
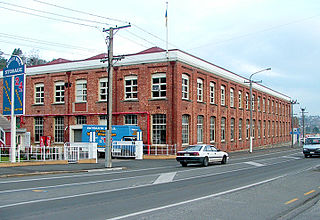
{"x": 243, "y": 36}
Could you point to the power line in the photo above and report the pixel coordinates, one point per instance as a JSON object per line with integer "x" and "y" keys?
{"x": 256, "y": 32}
{"x": 113, "y": 19}
{"x": 55, "y": 14}
{"x": 33, "y": 40}
{"x": 37, "y": 47}
{"x": 82, "y": 12}
{"x": 42, "y": 16}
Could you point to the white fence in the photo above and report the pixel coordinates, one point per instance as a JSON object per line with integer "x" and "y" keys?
{"x": 159, "y": 149}
{"x": 127, "y": 149}
{"x": 73, "y": 152}
{"x": 32, "y": 153}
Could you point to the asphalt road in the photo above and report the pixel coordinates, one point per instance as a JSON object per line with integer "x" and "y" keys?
{"x": 271, "y": 185}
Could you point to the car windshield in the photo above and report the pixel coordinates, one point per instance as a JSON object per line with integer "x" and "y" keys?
{"x": 194, "y": 148}
{"x": 313, "y": 141}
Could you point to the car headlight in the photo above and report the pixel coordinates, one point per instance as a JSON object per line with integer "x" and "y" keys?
{"x": 305, "y": 149}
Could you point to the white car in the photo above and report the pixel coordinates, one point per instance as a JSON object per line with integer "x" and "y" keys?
{"x": 201, "y": 153}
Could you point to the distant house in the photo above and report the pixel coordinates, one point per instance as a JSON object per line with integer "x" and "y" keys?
{"x": 5, "y": 133}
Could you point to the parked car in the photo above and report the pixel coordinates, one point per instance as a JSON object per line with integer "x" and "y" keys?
{"x": 201, "y": 153}
{"x": 311, "y": 146}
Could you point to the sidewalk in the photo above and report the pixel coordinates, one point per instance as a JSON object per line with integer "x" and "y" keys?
{"x": 117, "y": 164}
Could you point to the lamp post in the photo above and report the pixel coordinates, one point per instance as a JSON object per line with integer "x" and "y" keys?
{"x": 250, "y": 81}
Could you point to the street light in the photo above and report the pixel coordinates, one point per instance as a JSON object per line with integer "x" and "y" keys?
{"x": 250, "y": 81}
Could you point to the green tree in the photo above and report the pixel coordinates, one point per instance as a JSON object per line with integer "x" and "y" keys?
{"x": 3, "y": 61}
{"x": 33, "y": 58}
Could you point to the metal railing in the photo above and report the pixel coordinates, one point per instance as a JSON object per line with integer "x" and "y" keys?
{"x": 31, "y": 153}
{"x": 160, "y": 149}
{"x": 73, "y": 152}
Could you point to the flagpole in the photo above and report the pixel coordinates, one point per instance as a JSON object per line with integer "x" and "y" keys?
{"x": 167, "y": 52}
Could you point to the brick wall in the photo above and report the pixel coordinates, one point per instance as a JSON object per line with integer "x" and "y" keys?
{"x": 173, "y": 105}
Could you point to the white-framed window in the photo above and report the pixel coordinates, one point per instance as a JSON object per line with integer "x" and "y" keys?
{"x": 59, "y": 129}
{"x": 212, "y": 129}
{"x": 103, "y": 120}
{"x": 240, "y": 99}
{"x": 2, "y": 136}
{"x": 252, "y": 101}
{"x": 253, "y": 128}
{"x": 103, "y": 89}
{"x": 159, "y": 85}
{"x": 258, "y": 103}
{"x": 269, "y": 128}
{"x": 259, "y": 128}
{"x": 264, "y": 105}
{"x": 185, "y": 86}
{"x": 264, "y": 128}
{"x": 223, "y": 95}
{"x": 199, "y": 90}
{"x": 232, "y": 129}
{"x": 247, "y": 129}
{"x": 81, "y": 120}
{"x": 81, "y": 90}
{"x": 240, "y": 129}
{"x": 38, "y": 128}
{"x": 232, "y": 97}
{"x": 212, "y": 93}
{"x": 200, "y": 129}
{"x": 159, "y": 129}
{"x": 39, "y": 93}
{"x": 131, "y": 87}
{"x": 247, "y": 101}
{"x": 272, "y": 106}
{"x": 59, "y": 92}
{"x": 131, "y": 120}
{"x": 185, "y": 129}
{"x": 223, "y": 129}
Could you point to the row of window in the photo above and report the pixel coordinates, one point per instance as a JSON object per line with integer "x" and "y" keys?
{"x": 262, "y": 128}
{"x": 265, "y": 128}
{"x": 158, "y": 90}
{"x": 267, "y": 105}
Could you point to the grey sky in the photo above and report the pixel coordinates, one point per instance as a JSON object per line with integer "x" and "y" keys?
{"x": 243, "y": 36}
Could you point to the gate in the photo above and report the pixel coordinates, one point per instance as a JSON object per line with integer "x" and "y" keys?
{"x": 128, "y": 149}
{"x": 73, "y": 152}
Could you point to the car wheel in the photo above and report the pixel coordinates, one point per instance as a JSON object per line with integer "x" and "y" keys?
{"x": 184, "y": 164}
{"x": 306, "y": 156}
{"x": 224, "y": 160}
{"x": 205, "y": 162}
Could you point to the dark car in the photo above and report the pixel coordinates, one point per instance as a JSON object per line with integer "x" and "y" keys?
{"x": 311, "y": 146}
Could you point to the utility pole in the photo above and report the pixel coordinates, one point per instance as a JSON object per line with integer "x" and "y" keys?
{"x": 303, "y": 111}
{"x": 108, "y": 159}
{"x": 292, "y": 102}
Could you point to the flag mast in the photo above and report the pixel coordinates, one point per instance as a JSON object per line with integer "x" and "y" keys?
{"x": 167, "y": 53}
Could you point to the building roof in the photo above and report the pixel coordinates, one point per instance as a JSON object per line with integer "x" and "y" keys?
{"x": 151, "y": 55}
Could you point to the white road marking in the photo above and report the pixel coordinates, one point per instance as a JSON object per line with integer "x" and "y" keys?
{"x": 132, "y": 187}
{"x": 254, "y": 164}
{"x": 196, "y": 199}
{"x": 165, "y": 178}
{"x": 296, "y": 158}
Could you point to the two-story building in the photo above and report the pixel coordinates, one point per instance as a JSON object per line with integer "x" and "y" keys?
{"x": 180, "y": 99}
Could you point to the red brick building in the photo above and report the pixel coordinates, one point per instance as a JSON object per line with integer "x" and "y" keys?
{"x": 179, "y": 99}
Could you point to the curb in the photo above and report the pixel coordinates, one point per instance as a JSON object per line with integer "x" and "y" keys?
{"x": 61, "y": 172}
